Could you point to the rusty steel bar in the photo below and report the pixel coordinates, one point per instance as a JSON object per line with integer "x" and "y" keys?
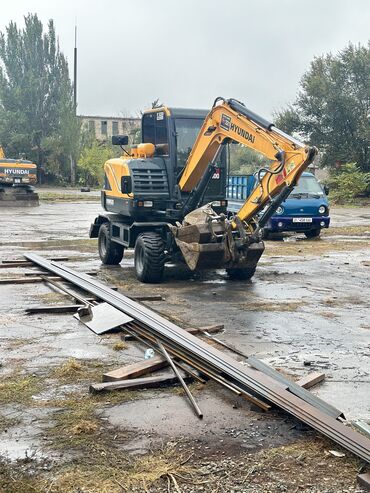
{"x": 181, "y": 380}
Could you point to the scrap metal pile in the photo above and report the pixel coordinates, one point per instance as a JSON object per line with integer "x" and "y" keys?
{"x": 180, "y": 348}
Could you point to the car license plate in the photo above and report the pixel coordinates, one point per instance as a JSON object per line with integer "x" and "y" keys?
{"x": 302, "y": 219}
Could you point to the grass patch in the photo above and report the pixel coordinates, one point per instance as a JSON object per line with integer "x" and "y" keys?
{"x": 347, "y": 231}
{"x": 6, "y": 422}
{"x": 328, "y": 314}
{"x": 315, "y": 247}
{"x": 119, "y": 345}
{"x": 71, "y": 369}
{"x": 52, "y": 297}
{"x": 17, "y": 343}
{"x": 76, "y": 420}
{"x": 79, "y": 371}
{"x": 194, "y": 387}
{"x": 305, "y": 465}
{"x": 102, "y": 471}
{"x": 75, "y": 424}
{"x": 345, "y": 301}
{"x": 271, "y": 306}
{"x": 19, "y": 389}
{"x": 67, "y": 197}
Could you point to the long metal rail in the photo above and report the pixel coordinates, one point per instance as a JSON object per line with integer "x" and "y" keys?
{"x": 191, "y": 348}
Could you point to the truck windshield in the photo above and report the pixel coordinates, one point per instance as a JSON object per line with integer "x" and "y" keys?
{"x": 307, "y": 185}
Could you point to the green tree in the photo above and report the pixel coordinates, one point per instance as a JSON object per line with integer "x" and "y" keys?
{"x": 90, "y": 166}
{"x": 332, "y": 109}
{"x": 348, "y": 183}
{"x": 37, "y": 115}
{"x": 245, "y": 161}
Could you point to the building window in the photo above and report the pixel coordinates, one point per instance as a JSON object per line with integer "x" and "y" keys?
{"x": 115, "y": 128}
{"x": 104, "y": 126}
{"x": 91, "y": 124}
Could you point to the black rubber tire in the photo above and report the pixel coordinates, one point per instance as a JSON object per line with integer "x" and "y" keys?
{"x": 110, "y": 252}
{"x": 265, "y": 234}
{"x": 150, "y": 257}
{"x": 313, "y": 233}
{"x": 241, "y": 274}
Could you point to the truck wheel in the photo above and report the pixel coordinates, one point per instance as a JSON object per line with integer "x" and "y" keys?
{"x": 110, "y": 253}
{"x": 241, "y": 274}
{"x": 313, "y": 233}
{"x": 149, "y": 257}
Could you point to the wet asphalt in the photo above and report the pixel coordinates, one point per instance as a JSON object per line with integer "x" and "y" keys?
{"x": 300, "y": 313}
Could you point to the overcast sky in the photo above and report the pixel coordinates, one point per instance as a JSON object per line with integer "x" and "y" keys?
{"x": 188, "y": 52}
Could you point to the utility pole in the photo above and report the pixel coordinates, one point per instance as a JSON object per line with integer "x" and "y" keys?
{"x": 72, "y": 158}
{"x": 75, "y": 73}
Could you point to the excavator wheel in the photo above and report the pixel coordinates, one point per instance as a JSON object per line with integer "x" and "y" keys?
{"x": 149, "y": 257}
{"x": 242, "y": 274}
{"x": 110, "y": 253}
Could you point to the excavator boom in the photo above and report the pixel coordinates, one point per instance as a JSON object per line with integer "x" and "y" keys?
{"x": 236, "y": 243}
{"x": 231, "y": 121}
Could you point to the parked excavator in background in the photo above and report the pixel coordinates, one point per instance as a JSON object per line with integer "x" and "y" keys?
{"x": 17, "y": 177}
{"x": 166, "y": 197}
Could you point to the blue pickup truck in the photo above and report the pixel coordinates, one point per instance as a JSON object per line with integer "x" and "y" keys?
{"x": 306, "y": 210}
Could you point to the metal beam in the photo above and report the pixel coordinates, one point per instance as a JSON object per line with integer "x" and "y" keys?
{"x": 205, "y": 355}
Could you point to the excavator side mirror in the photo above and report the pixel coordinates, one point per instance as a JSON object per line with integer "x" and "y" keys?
{"x": 120, "y": 140}
{"x": 126, "y": 184}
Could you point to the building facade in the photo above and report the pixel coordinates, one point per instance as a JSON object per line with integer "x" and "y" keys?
{"x": 103, "y": 127}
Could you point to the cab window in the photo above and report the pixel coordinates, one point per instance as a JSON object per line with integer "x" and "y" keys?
{"x": 155, "y": 128}
{"x": 187, "y": 130}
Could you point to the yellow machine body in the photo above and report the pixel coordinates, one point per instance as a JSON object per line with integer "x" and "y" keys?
{"x": 17, "y": 171}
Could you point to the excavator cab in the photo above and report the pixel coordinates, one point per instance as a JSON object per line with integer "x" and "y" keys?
{"x": 143, "y": 183}
{"x": 173, "y": 132}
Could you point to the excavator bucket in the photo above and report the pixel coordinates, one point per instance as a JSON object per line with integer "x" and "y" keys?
{"x": 206, "y": 241}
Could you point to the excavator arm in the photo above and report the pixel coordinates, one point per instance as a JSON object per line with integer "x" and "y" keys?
{"x": 230, "y": 121}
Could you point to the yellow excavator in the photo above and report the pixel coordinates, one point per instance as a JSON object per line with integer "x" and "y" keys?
{"x": 17, "y": 177}
{"x": 166, "y": 197}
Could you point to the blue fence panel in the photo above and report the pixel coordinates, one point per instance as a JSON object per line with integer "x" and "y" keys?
{"x": 239, "y": 187}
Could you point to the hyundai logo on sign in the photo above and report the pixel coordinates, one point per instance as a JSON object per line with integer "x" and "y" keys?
{"x": 16, "y": 171}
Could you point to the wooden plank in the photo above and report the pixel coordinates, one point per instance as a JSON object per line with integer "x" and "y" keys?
{"x": 137, "y": 383}
{"x": 310, "y": 380}
{"x": 135, "y": 369}
{"x": 23, "y": 261}
{"x": 364, "y": 480}
{"x": 147, "y": 298}
{"x": 210, "y": 328}
{"x": 64, "y": 308}
{"x": 26, "y": 280}
{"x": 41, "y": 273}
{"x": 53, "y": 309}
{"x": 8, "y": 265}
